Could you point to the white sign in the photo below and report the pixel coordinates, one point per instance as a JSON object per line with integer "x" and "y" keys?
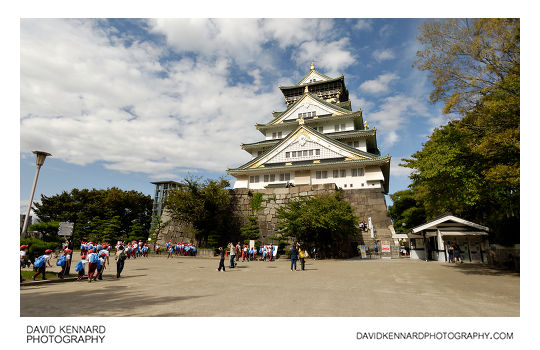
{"x": 370, "y": 226}
{"x": 65, "y": 229}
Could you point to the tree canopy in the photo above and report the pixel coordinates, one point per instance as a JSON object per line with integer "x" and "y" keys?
{"x": 206, "y": 206}
{"x": 468, "y": 58}
{"x": 471, "y": 165}
{"x": 100, "y": 214}
{"x": 323, "y": 221}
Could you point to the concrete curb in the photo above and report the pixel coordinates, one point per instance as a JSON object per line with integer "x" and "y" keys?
{"x": 56, "y": 280}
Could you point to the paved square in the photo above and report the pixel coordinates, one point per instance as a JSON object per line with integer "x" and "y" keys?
{"x": 187, "y": 286}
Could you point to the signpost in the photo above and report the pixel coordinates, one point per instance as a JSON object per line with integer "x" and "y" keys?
{"x": 65, "y": 229}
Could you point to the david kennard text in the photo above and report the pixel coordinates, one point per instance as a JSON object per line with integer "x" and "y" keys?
{"x": 65, "y": 334}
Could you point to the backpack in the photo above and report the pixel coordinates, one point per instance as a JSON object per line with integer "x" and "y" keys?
{"x": 39, "y": 262}
{"x": 61, "y": 261}
{"x": 79, "y": 266}
{"x": 99, "y": 264}
{"x": 93, "y": 258}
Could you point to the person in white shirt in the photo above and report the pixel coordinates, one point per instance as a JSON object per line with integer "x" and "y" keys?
{"x": 41, "y": 269}
{"x": 24, "y": 247}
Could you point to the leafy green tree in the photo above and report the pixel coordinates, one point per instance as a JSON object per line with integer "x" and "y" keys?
{"x": 250, "y": 230}
{"x": 82, "y": 207}
{"x": 207, "y": 207}
{"x": 137, "y": 231}
{"x": 468, "y": 58}
{"x": 323, "y": 221}
{"x": 48, "y": 230}
{"x": 406, "y": 212}
{"x": 471, "y": 165}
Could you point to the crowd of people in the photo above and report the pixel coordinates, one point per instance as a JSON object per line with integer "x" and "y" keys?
{"x": 178, "y": 249}
{"x": 94, "y": 259}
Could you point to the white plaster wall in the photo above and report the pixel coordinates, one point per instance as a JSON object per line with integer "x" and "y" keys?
{"x": 325, "y": 153}
{"x": 241, "y": 182}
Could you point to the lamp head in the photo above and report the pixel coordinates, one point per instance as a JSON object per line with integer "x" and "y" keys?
{"x": 40, "y": 157}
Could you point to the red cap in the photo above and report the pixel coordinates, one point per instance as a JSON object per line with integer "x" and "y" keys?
{"x": 24, "y": 246}
{"x": 83, "y": 257}
{"x": 68, "y": 250}
{"x": 91, "y": 251}
{"x": 48, "y": 251}
{"x": 103, "y": 254}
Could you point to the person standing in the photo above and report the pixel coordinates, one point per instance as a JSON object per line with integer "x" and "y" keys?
{"x": 302, "y": 255}
{"x": 92, "y": 264}
{"x": 221, "y": 259}
{"x": 450, "y": 252}
{"x": 120, "y": 258}
{"x": 24, "y": 248}
{"x": 65, "y": 264}
{"x": 232, "y": 253}
{"x": 294, "y": 257}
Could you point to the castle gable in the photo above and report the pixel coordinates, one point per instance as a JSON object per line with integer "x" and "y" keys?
{"x": 306, "y": 144}
{"x": 309, "y": 107}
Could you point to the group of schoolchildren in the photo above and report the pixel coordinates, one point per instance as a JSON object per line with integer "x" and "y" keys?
{"x": 182, "y": 249}
{"x": 95, "y": 256}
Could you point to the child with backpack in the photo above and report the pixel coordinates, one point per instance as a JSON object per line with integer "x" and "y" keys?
{"x": 92, "y": 264}
{"x": 100, "y": 265}
{"x": 40, "y": 263}
{"x": 80, "y": 267}
{"x": 64, "y": 262}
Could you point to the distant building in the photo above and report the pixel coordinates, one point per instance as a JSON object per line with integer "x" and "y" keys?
{"x": 162, "y": 189}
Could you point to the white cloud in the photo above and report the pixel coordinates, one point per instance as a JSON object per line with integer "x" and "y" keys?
{"x": 378, "y": 85}
{"x": 86, "y": 98}
{"x": 393, "y": 114}
{"x": 333, "y": 57}
{"x": 382, "y": 55}
{"x": 363, "y": 24}
{"x": 399, "y": 171}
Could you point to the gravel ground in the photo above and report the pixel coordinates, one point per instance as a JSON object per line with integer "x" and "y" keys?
{"x": 187, "y": 286}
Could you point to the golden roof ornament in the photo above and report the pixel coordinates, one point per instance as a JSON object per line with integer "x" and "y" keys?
{"x": 312, "y": 66}
{"x": 306, "y": 90}
{"x": 301, "y": 121}
{"x": 366, "y": 125}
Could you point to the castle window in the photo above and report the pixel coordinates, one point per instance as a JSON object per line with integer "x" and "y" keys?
{"x": 336, "y": 127}
{"x": 321, "y": 129}
{"x": 266, "y": 178}
{"x": 343, "y": 172}
{"x": 287, "y": 154}
{"x": 305, "y": 153}
{"x": 335, "y": 174}
{"x": 272, "y": 177}
{"x": 356, "y": 144}
{"x": 317, "y": 152}
{"x": 279, "y": 135}
{"x": 284, "y": 177}
{"x": 342, "y": 126}
{"x": 310, "y": 152}
{"x": 273, "y": 135}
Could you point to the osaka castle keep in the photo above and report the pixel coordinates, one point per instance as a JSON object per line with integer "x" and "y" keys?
{"x": 318, "y": 144}
{"x": 318, "y": 139}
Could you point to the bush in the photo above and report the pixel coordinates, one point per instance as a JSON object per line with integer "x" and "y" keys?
{"x": 37, "y": 247}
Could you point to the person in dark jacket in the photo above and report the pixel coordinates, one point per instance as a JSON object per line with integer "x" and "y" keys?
{"x": 294, "y": 257}
{"x": 221, "y": 259}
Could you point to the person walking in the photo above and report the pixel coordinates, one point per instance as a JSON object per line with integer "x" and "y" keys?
{"x": 221, "y": 259}
{"x": 64, "y": 262}
{"x": 294, "y": 257}
{"x": 120, "y": 258}
{"x": 302, "y": 255}
{"x": 232, "y": 254}
{"x": 40, "y": 263}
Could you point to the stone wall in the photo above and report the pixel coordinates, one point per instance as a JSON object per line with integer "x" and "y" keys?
{"x": 365, "y": 202}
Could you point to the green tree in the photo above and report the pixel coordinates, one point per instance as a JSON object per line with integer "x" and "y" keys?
{"x": 323, "y": 221}
{"x": 250, "y": 230}
{"x": 406, "y": 212}
{"x": 207, "y": 207}
{"x": 471, "y": 166}
{"x": 468, "y": 58}
{"x": 48, "y": 230}
{"x": 82, "y": 207}
{"x": 137, "y": 231}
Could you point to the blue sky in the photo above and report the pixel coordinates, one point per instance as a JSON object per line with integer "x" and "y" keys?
{"x": 126, "y": 102}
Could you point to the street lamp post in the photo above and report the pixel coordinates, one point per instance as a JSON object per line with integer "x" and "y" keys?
{"x": 40, "y": 159}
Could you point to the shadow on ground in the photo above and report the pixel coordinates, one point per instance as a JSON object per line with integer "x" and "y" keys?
{"x": 110, "y": 300}
{"x": 481, "y": 269}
